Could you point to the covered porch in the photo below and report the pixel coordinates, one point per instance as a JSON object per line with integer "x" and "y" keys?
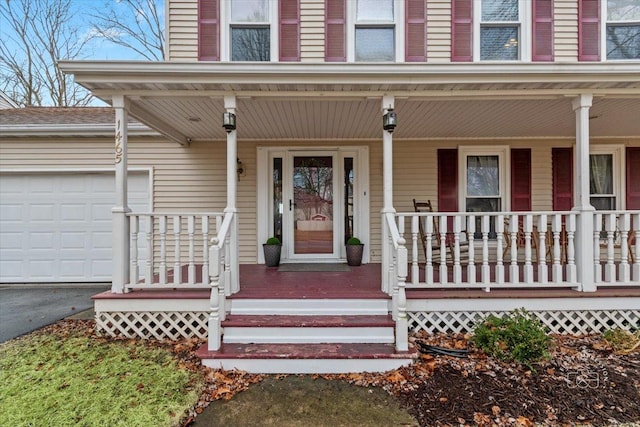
{"x": 574, "y": 250}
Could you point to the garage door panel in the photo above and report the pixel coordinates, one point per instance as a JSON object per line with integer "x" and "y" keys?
{"x": 56, "y": 228}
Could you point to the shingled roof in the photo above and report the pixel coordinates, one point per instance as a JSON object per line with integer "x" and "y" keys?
{"x": 58, "y": 116}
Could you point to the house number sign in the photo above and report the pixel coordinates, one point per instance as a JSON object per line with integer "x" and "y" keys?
{"x": 118, "y": 143}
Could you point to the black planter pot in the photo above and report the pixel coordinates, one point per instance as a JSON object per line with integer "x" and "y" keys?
{"x": 354, "y": 254}
{"x": 272, "y": 255}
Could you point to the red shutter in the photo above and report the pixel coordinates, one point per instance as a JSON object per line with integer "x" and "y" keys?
{"x": 521, "y": 179}
{"x": 448, "y": 180}
{"x": 562, "y": 169}
{"x": 416, "y": 31}
{"x": 589, "y": 30}
{"x": 461, "y": 30}
{"x": 542, "y": 30}
{"x": 289, "y": 30}
{"x": 208, "y": 30}
{"x": 633, "y": 178}
{"x": 334, "y": 29}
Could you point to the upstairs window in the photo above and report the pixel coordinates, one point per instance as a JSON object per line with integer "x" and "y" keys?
{"x": 375, "y": 31}
{"x": 250, "y": 30}
{"x": 622, "y": 29}
{"x": 500, "y": 30}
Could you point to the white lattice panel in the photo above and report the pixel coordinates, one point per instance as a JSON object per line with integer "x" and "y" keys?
{"x": 159, "y": 325}
{"x": 559, "y": 322}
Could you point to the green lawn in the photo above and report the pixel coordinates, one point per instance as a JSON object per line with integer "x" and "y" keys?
{"x": 52, "y": 379}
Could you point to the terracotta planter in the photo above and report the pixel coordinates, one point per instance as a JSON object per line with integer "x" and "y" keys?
{"x": 354, "y": 254}
{"x": 272, "y": 255}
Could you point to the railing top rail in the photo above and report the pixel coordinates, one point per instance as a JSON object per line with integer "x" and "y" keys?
{"x": 505, "y": 214}
{"x": 175, "y": 214}
{"x": 393, "y": 229}
{"x": 620, "y": 211}
{"x": 218, "y": 241}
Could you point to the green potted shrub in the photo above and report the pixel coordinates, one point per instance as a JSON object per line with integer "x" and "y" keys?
{"x": 272, "y": 251}
{"x": 355, "y": 249}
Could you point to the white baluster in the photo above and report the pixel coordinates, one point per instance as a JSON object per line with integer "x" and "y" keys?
{"x": 597, "y": 229}
{"x": 428, "y": 269}
{"x": 134, "y": 222}
{"x": 543, "y": 271}
{"x": 610, "y": 268}
{"x": 572, "y": 273}
{"x": 471, "y": 267}
{"x": 444, "y": 274}
{"x": 636, "y": 248}
{"x": 514, "y": 269}
{"x": 148, "y": 277}
{"x": 163, "y": 249}
{"x": 205, "y": 249}
{"x": 527, "y": 225}
{"x": 215, "y": 331}
{"x": 402, "y": 328}
{"x": 499, "y": 224}
{"x": 457, "y": 268}
{"x": 177, "y": 271}
{"x": 623, "y": 225}
{"x": 415, "y": 268}
{"x": 556, "y": 268}
{"x": 191, "y": 230}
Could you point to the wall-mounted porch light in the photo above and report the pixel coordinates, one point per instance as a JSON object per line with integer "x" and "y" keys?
{"x": 228, "y": 121}
{"x": 389, "y": 120}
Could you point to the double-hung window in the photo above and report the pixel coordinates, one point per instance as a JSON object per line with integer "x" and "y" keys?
{"x": 622, "y": 29}
{"x": 501, "y": 30}
{"x": 605, "y": 176}
{"x": 375, "y": 30}
{"x": 250, "y": 30}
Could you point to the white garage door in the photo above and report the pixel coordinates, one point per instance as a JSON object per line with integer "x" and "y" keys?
{"x": 57, "y": 227}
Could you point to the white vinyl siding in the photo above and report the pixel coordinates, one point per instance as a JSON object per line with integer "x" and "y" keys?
{"x": 182, "y": 30}
{"x": 312, "y": 30}
{"x": 565, "y": 30}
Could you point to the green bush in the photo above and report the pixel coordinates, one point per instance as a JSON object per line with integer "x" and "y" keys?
{"x": 273, "y": 241}
{"x": 515, "y": 337}
{"x": 353, "y": 241}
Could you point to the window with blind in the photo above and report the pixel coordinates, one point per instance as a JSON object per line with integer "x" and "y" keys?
{"x": 375, "y": 31}
{"x": 622, "y": 29}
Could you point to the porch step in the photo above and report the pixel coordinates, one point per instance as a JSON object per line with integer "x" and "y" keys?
{"x": 310, "y": 307}
{"x": 306, "y": 358}
{"x": 308, "y": 329}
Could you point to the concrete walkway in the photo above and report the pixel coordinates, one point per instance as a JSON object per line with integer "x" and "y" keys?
{"x": 25, "y": 308}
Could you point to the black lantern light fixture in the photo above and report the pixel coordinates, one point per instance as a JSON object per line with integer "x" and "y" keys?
{"x": 229, "y": 121}
{"x": 389, "y": 120}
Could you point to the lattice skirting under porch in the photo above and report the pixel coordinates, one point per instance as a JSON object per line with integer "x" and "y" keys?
{"x": 559, "y": 322}
{"x": 170, "y": 325}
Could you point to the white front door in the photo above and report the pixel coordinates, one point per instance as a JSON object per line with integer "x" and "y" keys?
{"x": 313, "y": 200}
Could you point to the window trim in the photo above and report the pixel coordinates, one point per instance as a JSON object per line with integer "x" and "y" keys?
{"x": 603, "y": 32}
{"x": 504, "y": 164}
{"x": 619, "y": 173}
{"x": 227, "y": 24}
{"x": 524, "y": 26}
{"x": 397, "y": 24}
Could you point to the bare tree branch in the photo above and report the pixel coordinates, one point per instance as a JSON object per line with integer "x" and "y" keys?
{"x": 143, "y": 35}
{"x": 38, "y": 34}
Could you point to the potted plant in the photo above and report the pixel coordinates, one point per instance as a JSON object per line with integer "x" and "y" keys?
{"x": 354, "y": 251}
{"x": 272, "y": 251}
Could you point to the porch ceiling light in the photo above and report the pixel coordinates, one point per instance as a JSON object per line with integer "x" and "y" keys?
{"x": 229, "y": 121}
{"x": 389, "y": 121}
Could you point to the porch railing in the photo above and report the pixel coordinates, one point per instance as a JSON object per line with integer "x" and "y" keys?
{"x": 171, "y": 250}
{"x": 224, "y": 275}
{"x": 516, "y": 249}
{"x": 396, "y": 274}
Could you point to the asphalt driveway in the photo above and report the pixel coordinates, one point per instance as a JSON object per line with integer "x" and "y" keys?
{"x": 26, "y": 308}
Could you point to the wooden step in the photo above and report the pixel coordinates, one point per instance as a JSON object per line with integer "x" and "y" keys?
{"x": 306, "y": 358}
{"x": 310, "y": 307}
{"x": 308, "y": 329}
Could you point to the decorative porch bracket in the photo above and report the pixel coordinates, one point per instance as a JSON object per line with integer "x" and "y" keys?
{"x": 584, "y": 255}
{"x": 120, "y": 226}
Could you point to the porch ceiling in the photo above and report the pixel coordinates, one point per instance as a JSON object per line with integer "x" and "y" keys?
{"x": 294, "y": 102}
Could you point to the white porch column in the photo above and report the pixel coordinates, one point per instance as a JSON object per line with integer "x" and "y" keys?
{"x": 120, "y": 233}
{"x": 387, "y": 188}
{"x": 584, "y": 224}
{"x": 232, "y": 191}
